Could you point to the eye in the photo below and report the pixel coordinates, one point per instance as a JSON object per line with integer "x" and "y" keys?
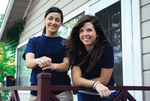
{"x": 89, "y": 30}
{"x": 58, "y": 20}
{"x": 80, "y": 31}
{"x": 50, "y": 18}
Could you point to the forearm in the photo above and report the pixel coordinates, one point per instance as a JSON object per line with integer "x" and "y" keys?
{"x": 105, "y": 76}
{"x": 100, "y": 88}
{"x": 31, "y": 63}
{"x": 88, "y": 83}
{"x": 83, "y": 82}
{"x": 104, "y": 82}
{"x": 77, "y": 78}
{"x": 60, "y": 67}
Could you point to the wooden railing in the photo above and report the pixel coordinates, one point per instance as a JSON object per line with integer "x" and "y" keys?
{"x": 44, "y": 90}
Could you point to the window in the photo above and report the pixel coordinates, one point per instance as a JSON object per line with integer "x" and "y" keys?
{"x": 65, "y": 29}
{"x": 110, "y": 19}
{"x": 23, "y": 73}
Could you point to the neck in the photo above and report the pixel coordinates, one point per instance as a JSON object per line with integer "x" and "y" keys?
{"x": 89, "y": 48}
{"x": 51, "y": 34}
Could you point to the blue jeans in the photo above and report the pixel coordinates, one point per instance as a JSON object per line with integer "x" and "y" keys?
{"x": 87, "y": 97}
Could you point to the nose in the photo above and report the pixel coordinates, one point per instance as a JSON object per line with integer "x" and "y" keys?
{"x": 85, "y": 33}
{"x": 53, "y": 21}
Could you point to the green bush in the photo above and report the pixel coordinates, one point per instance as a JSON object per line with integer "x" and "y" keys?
{"x": 7, "y": 67}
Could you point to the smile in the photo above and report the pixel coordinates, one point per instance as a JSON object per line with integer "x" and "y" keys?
{"x": 86, "y": 38}
{"x": 52, "y": 27}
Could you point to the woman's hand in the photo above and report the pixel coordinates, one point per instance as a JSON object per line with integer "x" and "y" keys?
{"x": 102, "y": 90}
{"x": 44, "y": 62}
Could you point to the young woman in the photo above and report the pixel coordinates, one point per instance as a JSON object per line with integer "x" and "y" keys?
{"x": 47, "y": 48}
{"x": 92, "y": 60}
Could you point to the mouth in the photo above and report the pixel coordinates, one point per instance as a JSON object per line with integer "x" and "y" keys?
{"x": 86, "y": 39}
{"x": 52, "y": 26}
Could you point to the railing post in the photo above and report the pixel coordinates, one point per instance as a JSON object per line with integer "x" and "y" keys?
{"x": 0, "y": 96}
{"x": 43, "y": 92}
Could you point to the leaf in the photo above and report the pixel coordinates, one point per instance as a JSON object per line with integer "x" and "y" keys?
{"x": 13, "y": 35}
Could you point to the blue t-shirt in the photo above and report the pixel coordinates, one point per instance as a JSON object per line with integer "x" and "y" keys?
{"x": 51, "y": 47}
{"x": 106, "y": 61}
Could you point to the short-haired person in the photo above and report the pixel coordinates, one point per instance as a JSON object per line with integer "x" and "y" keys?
{"x": 92, "y": 60}
{"x": 47, "y": 48}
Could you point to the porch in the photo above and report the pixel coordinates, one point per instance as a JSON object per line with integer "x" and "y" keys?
{"x": 44, "y": 90}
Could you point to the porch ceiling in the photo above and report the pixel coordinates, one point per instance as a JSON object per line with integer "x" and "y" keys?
{"x": 17, "y": 12}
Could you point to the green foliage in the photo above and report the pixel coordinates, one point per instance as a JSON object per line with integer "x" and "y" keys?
{"x": 13, "y": 35}
{"x": 7, "y": 67}
{"x": 1, "y": 18}
{"x": 7, "y": 53}
{"x": 66, "y": 28}
{"x": 5, "y": 94}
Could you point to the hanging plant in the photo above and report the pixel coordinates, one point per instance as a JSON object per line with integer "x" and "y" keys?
{"x": 13, "y": 35}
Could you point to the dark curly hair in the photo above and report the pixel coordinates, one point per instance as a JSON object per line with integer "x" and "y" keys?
{"x": 76, "y": 49}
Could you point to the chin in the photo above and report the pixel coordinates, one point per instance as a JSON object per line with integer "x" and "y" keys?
{"x": 53, "y": 31}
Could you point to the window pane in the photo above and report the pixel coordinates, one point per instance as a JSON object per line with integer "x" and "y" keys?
{"x": 23, "y": 78}
{"x": 118, "y": 68}
{"x": 115, "y": 20}
{"x": 115, "y": 39}
{"x": 103, "y": 16}
{"x": 65, "y": 29}
{"x": 115, "y": 15}
{"x": 107, "y": 35}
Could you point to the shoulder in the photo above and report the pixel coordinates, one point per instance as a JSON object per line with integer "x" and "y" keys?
{"x": 62, "y": 38}
{"x": 108, "y": 47}
{"x": 36, "y": 38}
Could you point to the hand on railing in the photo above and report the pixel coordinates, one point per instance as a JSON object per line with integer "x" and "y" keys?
{"x": 44, "y": 62}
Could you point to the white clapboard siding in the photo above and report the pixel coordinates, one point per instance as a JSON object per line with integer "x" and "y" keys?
{"x": 34, "y": 17}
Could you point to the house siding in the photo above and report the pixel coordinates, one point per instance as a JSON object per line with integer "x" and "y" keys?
{"x": 145, "y": 37}
{"x": 34, "y": 17}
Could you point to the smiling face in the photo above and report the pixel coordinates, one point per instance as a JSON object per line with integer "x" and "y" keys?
{"x": 52, "y": 22}
{"x": 87, "y": 35}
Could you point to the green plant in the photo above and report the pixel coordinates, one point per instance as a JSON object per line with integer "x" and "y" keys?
{"x": 5, "y": 95}
{"x": 13, "y": 35}
{"x": 1, "y": 18}
{"x": 7, "y": 53}
{"x": 7, "y": 67}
